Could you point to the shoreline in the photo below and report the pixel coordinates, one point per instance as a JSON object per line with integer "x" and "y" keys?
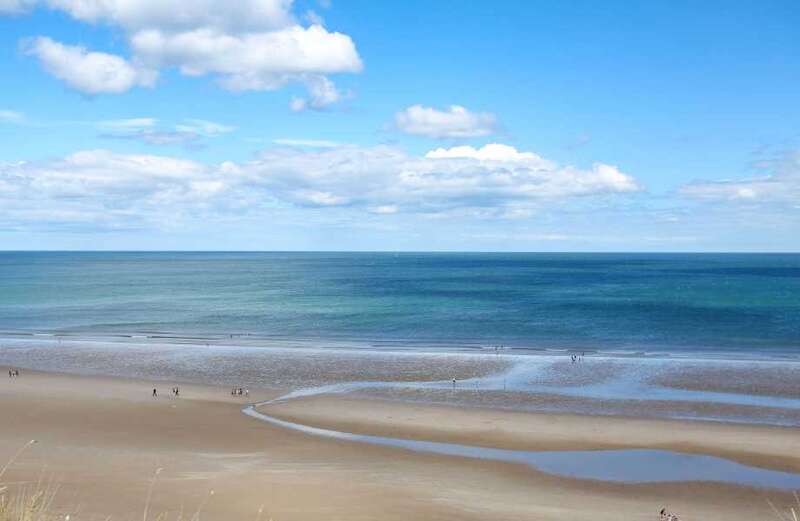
{"x": 399, "y": 346}
{"x": 728, "y": 391}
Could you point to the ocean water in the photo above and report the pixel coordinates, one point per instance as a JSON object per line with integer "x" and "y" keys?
{"x": 743, "y": 303}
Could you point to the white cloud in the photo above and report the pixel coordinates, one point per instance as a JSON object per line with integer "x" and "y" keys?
{"x": 11, "y": 116}
{"x": 101, "y": 189}
{"x": 322, "y": 93}
{"x": 297, "y": 104}
{"x": 147, "y": 130}
{"x": 490, "y": 152}
{"x": 89, "y": 72}
{"x": 386, "y": 177}
{"x": 386, "y": 209}
{"x": 157, "y": 137}
{"x": 781, "y": 185}
{"x": 317, "y": 198}
{"x": 204, "y": 127}
{"x": 314, "y": 18}
{"x": 514, "y": 237}
{"x": 244, "y": 45}
{"x": 242, "y": 15}
{"x": 745, "y": 190}
{"x": 128, "y": 124}
{"x": 15, "y": 6}
{"x": 152, "y": 190}
{"x": 454, "y": 122}
{"x": 539, "y": 175}
{"x": 252, "y": 61}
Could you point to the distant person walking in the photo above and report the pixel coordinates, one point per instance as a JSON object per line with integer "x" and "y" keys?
{"x": 155, "y": 393}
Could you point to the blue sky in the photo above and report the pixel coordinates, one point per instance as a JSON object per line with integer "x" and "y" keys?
{"x": 267, "y": 124}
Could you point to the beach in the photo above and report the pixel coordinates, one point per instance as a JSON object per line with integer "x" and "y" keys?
{"x": 102, "y": 439}
{"x": 278, "y": 260}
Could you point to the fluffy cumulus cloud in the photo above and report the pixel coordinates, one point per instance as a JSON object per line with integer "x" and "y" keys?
{"x": 490, "y": 152}
{"x": 252, "y": 61}
{"x": 244, "y": 45}
{"x": 452, "y": 122}
{"x": 87, "y": 71}
{"x": 179, "y": 15}
{"x": 780, "y": 184}
{"x": 101, "y": 186}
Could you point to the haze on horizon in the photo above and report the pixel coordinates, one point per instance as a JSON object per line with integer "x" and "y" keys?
{"x": 353, "y": 125}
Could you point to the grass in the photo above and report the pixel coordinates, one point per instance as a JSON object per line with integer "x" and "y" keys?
{"x": 28, "y": 503}
{"x": 794, "y": 511}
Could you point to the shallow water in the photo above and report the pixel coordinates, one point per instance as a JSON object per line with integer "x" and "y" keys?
{"x": 599, "y": 384}
{"x": 627, "y": 465}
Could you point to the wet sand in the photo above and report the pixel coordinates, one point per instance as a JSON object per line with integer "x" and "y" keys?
{"x": 101, "y": 440}
{"x": 761, "y": 379}
{"x": 757, "y": 445}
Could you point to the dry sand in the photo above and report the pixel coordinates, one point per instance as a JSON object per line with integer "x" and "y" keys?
{"x": 101, "y": 440}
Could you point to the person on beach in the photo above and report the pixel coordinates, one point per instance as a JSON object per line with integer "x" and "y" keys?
{"x": 155, "y": 393}
{"x": 454, "y": 383}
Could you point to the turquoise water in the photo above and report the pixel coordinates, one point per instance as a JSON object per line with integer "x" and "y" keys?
{"x": 676, "y": 302}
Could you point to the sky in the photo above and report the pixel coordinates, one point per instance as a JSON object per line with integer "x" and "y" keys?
{"x": 408, "y": 126}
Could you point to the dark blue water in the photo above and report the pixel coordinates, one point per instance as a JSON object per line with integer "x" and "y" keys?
{"x": 738, "y": 302}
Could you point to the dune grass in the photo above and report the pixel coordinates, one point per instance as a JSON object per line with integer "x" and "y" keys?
{"x": 28, "y": 503}
{"x": 793, "y": 514}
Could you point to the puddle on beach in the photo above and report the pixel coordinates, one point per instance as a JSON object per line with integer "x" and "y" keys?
{"x": 619, "y": 465}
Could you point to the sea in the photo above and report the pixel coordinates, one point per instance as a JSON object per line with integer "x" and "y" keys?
{"x": 747, "y": 304}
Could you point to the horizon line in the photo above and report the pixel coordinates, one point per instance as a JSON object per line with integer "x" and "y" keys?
{"x": 667, "y": 252}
